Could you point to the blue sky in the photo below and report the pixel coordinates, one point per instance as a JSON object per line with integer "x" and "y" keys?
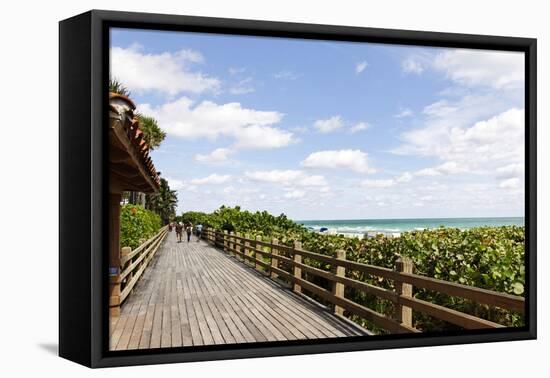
{"x": 330, "y": 130}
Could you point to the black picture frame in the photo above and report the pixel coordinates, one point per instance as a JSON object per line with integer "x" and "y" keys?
{"x": 83, "y": 73}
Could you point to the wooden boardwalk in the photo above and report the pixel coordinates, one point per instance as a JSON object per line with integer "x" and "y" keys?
{"x": 194, "y": 294}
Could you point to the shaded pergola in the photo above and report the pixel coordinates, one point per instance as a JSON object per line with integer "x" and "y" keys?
{"x": 130, "y": 169}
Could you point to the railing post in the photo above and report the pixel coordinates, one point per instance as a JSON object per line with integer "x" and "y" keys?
{"x": 403, "y": 314}
{"x": 256, "y": 247}
{"x": 225, "y": 241}
{"x": 115, "y": 286}
{"x": 246, "y": 247}
{"x": 125, "y": 251}
{"x": 274, "y": 260}
{"x": 231, "y": 243}
{"x": 114, "y": 295}
{"x": 338, "y": 289}
{"x": 297, "y": 270}
{"x": 114, "y": 254}
{"x": 238, "y": 246}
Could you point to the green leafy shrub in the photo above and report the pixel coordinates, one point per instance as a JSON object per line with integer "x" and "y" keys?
{"x": 137, "y": 225}
{"x": 235, "y": 219}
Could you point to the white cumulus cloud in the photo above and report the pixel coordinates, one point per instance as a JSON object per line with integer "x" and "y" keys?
{"x": 249, "y": 128}
{"x": 447, "y": 168}
{"x": 359, "y": 127}
{"x": 404, "y": 113}
{"x": 355, "y": 160}
{"x": 328, "y": 125}
{"x": 216, "y": 156}
{"x": 496, "y": 69}
{"x": 440, "y": 108}
{"x": 175, "y": 184}
{"x": 494, "y": 146}
{"x": 213, "y": 179}
{"x": 166, "y": 72}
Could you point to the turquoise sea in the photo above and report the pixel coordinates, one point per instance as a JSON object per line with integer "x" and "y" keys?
{"x": 395, "y": 226}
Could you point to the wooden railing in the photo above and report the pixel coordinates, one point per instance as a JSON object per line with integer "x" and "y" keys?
{"x": 270, "y": 257}
{"x": 133, "y": 264}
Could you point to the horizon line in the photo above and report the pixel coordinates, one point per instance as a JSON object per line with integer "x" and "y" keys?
{"x": 427, "y": 218}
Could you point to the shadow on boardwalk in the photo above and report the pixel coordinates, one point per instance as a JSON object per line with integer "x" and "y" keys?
{"x": 193, "y": 294}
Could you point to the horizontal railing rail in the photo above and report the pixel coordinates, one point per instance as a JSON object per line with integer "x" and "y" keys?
{"x": 133, "y": 263}
{"x": 269, "y": 257}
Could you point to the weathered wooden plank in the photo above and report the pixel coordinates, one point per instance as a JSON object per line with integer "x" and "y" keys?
{"x": 277, "y": 324}
{"x": 296, "y": 307}
{"x": 245, "y": 320}
{"x": 193, "y": 294}
{"x": 217, "y": 306}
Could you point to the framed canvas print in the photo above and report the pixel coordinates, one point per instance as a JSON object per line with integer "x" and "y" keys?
{"x": 234, "y": 188}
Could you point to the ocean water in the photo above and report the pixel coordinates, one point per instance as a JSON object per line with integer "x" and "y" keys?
{"x": 359, "y": 227}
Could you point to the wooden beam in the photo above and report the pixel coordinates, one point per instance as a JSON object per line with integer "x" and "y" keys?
{"x": 118, "y": 132}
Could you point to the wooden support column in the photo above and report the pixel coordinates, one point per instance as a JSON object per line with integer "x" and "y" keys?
{"x": 114, "y": 254}
{"x": 297, "y": 270}
{"x": 274, "y": 260}
{"x": 403, "y": 314}
{"x": 338, "y": 289}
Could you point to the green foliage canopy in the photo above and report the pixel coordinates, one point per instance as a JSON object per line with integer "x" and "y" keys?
{"x": 116, "y": 86}
{"x": 152, "y": 133}
{"x": 235, "y": 219}
{"x": 163, "y": 202}
{"x": 137, "y": 225}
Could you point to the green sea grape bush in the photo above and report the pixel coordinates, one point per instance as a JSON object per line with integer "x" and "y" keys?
{"x": 137, "y": 225}
{"x": 486, "y": 257}
{"x": 235, "y": 219}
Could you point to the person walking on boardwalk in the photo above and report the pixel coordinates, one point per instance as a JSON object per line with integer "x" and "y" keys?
{"x": 199, "y": 232}
{"x": 189, "y": 230}
{"x": 179, "y": 231}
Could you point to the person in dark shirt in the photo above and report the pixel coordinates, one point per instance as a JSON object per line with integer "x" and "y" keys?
{"x": 189, "y": 230}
